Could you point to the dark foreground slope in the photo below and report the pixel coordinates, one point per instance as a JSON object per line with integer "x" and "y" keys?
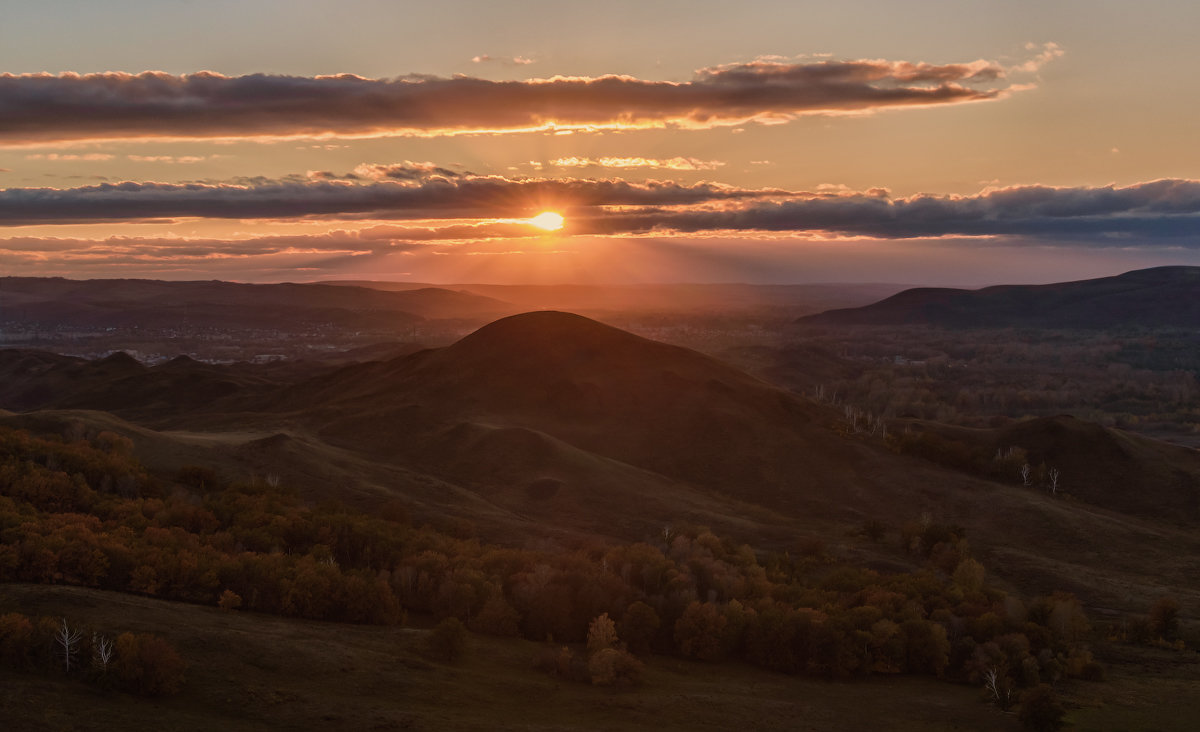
{"x": 1157, "y": 297}
{"x": 250, "y": 671}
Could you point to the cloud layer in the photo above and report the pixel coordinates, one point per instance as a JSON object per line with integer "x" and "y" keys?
{"x": 40, "y": 108}
{"x": 396, "y": 191}
{"x": 1104, "y": 216}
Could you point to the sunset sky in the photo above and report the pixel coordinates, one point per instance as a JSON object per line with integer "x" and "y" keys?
{"x": 928, "y": 142}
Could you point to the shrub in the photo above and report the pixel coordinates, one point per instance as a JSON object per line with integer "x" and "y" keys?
{"x": 447, "y": 640}
{"x": 230, "y": 600}
{"x": 1040, "y": 710}
{"x": 610, "y": 666}
{"x": 1164, "y": 618}
{"x": 147, "y": 665}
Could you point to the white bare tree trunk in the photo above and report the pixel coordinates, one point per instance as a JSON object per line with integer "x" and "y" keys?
{"x": 102, "y": 651}
{"x": 69, "y": 641}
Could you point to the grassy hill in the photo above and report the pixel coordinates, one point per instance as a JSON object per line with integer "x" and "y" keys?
{"x": 1157, "y": 297}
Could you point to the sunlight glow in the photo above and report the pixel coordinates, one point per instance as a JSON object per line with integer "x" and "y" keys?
{"x": 548, "y": 220}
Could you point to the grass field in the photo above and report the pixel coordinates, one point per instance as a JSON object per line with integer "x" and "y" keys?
{"x": 256, "y": 672}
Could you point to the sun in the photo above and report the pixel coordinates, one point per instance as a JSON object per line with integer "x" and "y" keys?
{"x": 548, "y": 220}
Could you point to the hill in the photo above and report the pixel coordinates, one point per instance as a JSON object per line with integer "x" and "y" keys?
{"x": 59, "y": 303}
{"x": 1157, "y": 297}
{"x": 724, "y": 299}
{"x": 551, "y": 424}
{"x": 1104, "y": 467}
{"x": 657, "y": 407}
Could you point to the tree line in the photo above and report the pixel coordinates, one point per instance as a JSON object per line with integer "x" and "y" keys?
{"x": 86, "y": 513}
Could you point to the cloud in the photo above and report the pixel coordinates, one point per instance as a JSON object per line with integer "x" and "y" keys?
{"x": 70, "y": 157}
{"x": 677, "y": 163}
{"x": 41, "y": 108}
{"x": 1156, "y": 212}
{"x": 169, "y": 159}
{"x": 393, "y": 191}
{"x": 506, "y": 61}
{"x": 1047, "y": 53}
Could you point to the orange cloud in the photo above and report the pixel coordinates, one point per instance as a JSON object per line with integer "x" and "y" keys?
{"x": 40, "y": 108}
{"x": 677, "y": 163}
{"x": 507, "y": 61}
{"x": 70, "y": 157}
{"x": 169, "y": 159}
{"x": 402, "y": 191}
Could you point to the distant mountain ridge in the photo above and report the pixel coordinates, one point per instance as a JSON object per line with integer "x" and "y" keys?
{"x": 1160, "y": 296}
{"x": 664, "y": 298}
{"x": 157, "y": 303}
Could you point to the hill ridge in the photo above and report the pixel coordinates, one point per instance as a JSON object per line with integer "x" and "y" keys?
{"x": 1157, "y": 296}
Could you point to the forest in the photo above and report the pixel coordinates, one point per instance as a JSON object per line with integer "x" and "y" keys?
{"x": 86, "y": 513}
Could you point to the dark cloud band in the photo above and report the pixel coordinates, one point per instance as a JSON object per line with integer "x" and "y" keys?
{"x": 432, "y": 197}
{"x": 43, "y": 107}
{"x": 1159, "y": 210}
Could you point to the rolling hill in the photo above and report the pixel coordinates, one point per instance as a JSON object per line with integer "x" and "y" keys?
{"x": 547, "y": 422}
{"x": 1157, "y": 297}
{"x": 62, "y": 303}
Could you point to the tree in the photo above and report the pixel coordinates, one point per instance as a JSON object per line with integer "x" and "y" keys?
{"x": 68, "y": 640}
{"x": 1054, "y": 476}
{"x": 1040, "y": 710}
{"x": 1164, "y": 617}
{"x": 229, "y": 600}
{"x": 447, "y": 640}
{"x": 610, "y": 666}
{"x": 602, "y": 633}
{"x": 496, "y": 617}
{"x": 18, "y": 640}
{"x": 147, "y": 665}
{"x": 999, "y": 688}
{"x": 102, "y": 651}
{"x": 969, "y": 575}
{"x": 699, "y": 631}
{"x": 638, "y": 627}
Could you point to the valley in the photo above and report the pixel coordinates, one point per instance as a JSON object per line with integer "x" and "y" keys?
{"x": 503, "y": 474}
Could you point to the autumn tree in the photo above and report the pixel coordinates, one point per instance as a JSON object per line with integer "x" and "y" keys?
{"x": 1164, "y": 618}
{"x": 699, "y": 632}
{"x": 447, "y": 641}
{"x": 1040, "y": 710}
{"x": 147, "y": 665}
{"x": 496, "y": 617}
{"x": 610, "y": 666}
{"x": 602, "y": 633}
{"x": 638, "y": 627}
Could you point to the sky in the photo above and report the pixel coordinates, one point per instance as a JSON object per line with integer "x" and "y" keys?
{"x": 946, "y": 143}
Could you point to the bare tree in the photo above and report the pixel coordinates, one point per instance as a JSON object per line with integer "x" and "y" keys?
{"x": 102, "y": 651}
{"x": 1025, "y": 472}
{"x": 1054, "y": 474}
{"x": 1001, "y": 693}
{"x": 69, "y": 640}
